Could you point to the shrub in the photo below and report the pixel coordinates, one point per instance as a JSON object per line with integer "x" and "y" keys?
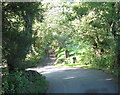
{"x": 24, "y": 82}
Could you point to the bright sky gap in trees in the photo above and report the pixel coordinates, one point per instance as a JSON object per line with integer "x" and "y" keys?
{"x": 60, "y": 0}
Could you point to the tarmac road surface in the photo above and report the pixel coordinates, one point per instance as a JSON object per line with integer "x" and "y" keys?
{"x": 79, "y": 80}
{"x": 76, "y": 80}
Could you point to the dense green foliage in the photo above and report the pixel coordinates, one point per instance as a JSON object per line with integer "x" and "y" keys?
{"x": 24, "y": 82}
{"x": 18, "y": 19}
{"x": 18, "y": 38}
{"x": 90, "y": 31}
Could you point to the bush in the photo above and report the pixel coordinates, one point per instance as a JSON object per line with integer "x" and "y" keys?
{"x": 24, "y": 82}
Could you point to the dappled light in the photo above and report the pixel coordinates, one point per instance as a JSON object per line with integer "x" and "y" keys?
{"x": 63, "y": 79}
{"x": 51, "y": 69}
{"x": 60, "y": 46}
{"x": 69, "y": 78}
{"x": 109, "y": 79}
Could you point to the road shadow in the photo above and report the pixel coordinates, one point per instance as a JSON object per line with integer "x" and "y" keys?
{"x": 48, "y": 61}
{"x": 75, "y": 80}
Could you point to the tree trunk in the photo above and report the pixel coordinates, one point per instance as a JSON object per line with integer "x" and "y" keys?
{"x": 118, "y": 32}
{"x": 10, "y": 65}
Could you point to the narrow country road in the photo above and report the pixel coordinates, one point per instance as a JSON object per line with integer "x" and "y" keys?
{"x": 76, "y": 80}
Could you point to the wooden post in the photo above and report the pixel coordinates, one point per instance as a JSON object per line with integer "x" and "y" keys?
{"x": 66, "y": 53}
